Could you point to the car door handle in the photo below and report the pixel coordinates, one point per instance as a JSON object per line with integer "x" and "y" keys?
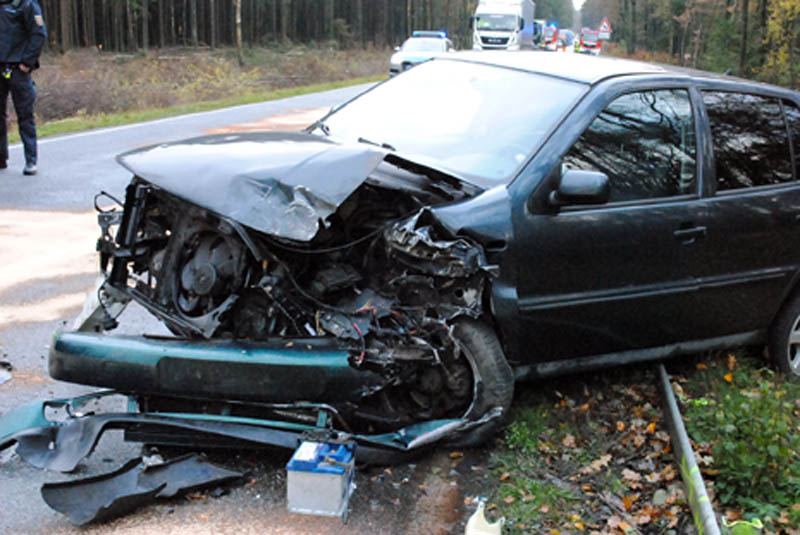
{"x": 689, "y": 235}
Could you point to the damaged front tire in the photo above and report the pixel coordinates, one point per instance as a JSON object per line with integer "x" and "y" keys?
{"x": 493, "y": 382}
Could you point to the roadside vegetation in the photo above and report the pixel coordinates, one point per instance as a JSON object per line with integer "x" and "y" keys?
{"x": 745, "y": 421}
{"x": 84, "y": 89}
{"x": 591, "y": 454}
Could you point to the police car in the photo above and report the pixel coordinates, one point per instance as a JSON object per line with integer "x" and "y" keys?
{"x": 421, "y": 46}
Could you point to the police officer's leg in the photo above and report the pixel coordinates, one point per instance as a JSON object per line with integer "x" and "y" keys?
{"x": 4, "y": 121}
{"x": 23, "y": 93}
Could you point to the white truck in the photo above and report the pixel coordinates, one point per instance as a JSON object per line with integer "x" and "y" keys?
{"x": 503, "y": 25}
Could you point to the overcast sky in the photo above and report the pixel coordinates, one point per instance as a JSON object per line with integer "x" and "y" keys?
{"x": 577, "y": 4}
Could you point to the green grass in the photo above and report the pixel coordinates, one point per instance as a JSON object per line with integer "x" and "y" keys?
{"x": 748, "y": 418}
{"x": 81, "y": 123}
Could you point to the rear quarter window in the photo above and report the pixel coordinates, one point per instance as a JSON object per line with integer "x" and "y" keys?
{"x": 750, "y": 140}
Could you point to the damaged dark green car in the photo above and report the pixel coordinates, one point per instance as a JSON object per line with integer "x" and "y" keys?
{"x": 386, "y": 275}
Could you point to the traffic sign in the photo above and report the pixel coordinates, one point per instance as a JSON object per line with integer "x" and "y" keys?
{"x": 605, "y": 30}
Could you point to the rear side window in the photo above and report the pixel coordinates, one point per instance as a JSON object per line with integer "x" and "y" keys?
{"x": 644, "y": 142}
{"x": 750, "y": 139}
{"x": 793, "y": 120}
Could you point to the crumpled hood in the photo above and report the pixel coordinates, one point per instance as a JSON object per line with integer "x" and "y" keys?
{"x": 280, "y": 183}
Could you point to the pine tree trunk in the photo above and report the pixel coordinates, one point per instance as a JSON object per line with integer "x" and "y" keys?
{"x": 360, "y": 21}
{"x": 193, "y": 21}
{"x": 212, "y": 16}
{"x": 145, "y": 25}
{"x": 160, "y": 23}
{"x": 131, "y": 36}
{"x": 743, "y": 45}
{"x": 63, "y": 13}
{"x": 238, "y": 22}
{"x": 286, "y": 6}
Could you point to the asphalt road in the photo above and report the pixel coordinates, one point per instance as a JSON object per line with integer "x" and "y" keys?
{"x": 47, "y": 264}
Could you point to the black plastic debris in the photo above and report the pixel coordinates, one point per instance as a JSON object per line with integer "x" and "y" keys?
{"x": 136, "y": 484}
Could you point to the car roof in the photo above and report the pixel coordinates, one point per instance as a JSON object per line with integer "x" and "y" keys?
{"x": 576, "y": 67}
{"x": 589, "y": 69}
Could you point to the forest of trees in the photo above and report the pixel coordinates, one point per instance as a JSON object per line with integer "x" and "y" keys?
{"x": 126, "y": 25}
{"x": 751, "y": 38}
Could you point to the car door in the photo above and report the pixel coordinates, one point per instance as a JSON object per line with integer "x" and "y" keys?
{"x": 752, "y": 255}
{"x": 614, "y": 277}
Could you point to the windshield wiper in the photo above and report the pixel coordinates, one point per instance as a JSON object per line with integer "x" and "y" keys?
{"x": 381, "y": 145}
{"x": 321, "y": 125}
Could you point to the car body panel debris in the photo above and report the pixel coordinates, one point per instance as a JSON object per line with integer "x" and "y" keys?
{"x": 61, "y": 445}
{"x": 136, "y": 484}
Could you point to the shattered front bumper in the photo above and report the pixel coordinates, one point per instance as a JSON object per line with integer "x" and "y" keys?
{"x": 61, "y": 444}
{"x": 313, "y": 369}
{"x": 58, "y": 434}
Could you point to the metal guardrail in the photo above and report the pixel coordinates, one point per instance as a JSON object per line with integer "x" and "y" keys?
{"x": 702, "y": 513}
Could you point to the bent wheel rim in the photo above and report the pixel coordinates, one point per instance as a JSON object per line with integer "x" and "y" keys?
{"x": 793, "y": 347}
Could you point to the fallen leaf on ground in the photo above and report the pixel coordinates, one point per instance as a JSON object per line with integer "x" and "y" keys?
{"x": 653, "y": 477}
{"x": 620, "y": 425}
{"x": 506, "y": 476}
{"x": 544, "y": 509}
{"x": 630, "y": 475}
{"x": 456, "y": 454}
{"x": 627, "y": 501}
{"x": 569, "y": 441}
{"x": 528, "y": 498}
{"x": 668, "y": 473}
{"x": 509, "y": 499}
{"x": 728, "y": 377}
{"x": 614, "y": 521}
{"x": 731, "y": 361}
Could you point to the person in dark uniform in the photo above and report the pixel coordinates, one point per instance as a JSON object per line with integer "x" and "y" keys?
{"x": 22, "y": 36}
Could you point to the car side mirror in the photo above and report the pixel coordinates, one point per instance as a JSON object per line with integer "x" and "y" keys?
{"x": 521, "y": 24}
{"x": 581, "y": 187}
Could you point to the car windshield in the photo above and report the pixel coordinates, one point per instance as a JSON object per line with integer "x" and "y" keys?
{"x": 549, "y": 32}
{"x": 478, "y": 121}
{"x": 506, "y": 23}
{"x": 423, "y": 44}
{"x": 590, "y": 38}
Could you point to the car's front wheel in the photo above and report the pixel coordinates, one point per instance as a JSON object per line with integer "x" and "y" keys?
{"x": 493, "y": 378}
{"x": 784, "y": 339}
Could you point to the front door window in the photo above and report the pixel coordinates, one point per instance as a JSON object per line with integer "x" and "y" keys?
{"x": 645, "y": 143}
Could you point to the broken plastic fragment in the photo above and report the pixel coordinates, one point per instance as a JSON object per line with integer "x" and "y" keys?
{"x": 478, "y": 525}
{"x": 134, "y": 485}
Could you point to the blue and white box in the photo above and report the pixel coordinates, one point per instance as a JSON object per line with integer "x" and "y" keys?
{"x": 320, "y": 479}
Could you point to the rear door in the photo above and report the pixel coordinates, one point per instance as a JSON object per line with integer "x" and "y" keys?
{"x": 753, "y": 245}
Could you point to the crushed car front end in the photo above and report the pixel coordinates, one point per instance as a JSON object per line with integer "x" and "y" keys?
{"x": 324, "y": 278}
